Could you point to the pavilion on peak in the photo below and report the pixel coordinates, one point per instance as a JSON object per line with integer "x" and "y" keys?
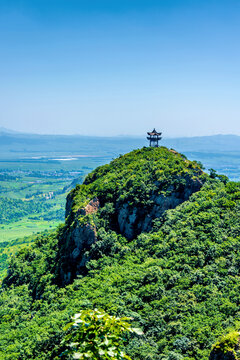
{"x": 154, "y": 137}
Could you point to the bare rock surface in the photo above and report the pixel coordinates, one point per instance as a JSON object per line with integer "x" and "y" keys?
{"x": 133, "y": 221}
{"x": 81, "y": 237}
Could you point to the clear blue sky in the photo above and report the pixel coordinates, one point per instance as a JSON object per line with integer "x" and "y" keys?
{"x": 120, "y": 67}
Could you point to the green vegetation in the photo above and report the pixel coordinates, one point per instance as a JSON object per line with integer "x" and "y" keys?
{"x": 227, "y": 347}
{"x": 179, "y": 282}
{"x": 25, "y": 227}
{"x": 33, "y": 192}
{"x": 96, "y": 335}
{"x": 135, "y": 176}
{"x": 31, "y": 201}
{"x": 10, "y": 248}
{"x": 13, "y": 210}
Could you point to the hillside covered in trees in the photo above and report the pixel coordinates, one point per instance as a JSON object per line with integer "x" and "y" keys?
{"x": 149, "y": 236}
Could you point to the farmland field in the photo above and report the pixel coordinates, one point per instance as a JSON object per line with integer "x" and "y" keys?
{"x": 33, "y": 195}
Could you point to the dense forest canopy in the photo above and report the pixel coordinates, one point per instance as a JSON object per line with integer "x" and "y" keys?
{"x": 179, "y": 278}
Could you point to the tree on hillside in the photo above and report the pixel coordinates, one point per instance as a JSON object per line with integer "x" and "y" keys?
{"x": 96, "y": 335}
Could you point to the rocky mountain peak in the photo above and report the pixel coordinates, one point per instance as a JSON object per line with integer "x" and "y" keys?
{"x": 125, "y": 196}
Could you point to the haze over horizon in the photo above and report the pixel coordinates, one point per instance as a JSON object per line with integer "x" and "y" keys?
{"x": 10, "y": 132}
{"x": 120, "y": 68}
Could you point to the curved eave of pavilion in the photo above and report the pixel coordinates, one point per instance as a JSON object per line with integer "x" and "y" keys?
{"x": 154, "y": 134}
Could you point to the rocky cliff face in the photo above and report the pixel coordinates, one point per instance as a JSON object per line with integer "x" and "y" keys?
{"x": 82, "y": 235}
{"x": 124, "y": 201}
{"x": 134, "y": 221}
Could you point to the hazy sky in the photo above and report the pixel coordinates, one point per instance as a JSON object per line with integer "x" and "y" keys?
{"x": 120, "y": 66}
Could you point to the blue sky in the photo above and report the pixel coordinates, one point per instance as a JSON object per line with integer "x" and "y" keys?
{"x": 120, "y": 67}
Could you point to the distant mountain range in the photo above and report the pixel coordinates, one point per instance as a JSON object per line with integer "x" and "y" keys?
{"x": 27, "y": 143}
{"x": 214, "y": 143}
{"x": 4, "y": 130}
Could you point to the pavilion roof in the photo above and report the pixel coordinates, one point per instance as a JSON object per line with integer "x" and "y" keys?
{"x": 154, "y": 132}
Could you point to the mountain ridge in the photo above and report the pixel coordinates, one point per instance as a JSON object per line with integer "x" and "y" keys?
{"x": 127, "y": 195}
{"x": 179, "y": 281}
{"x": 196, "y": 143}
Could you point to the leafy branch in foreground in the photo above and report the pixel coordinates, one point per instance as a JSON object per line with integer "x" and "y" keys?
{"x": 227, "y": 347}
{"x": 96, "y": 335}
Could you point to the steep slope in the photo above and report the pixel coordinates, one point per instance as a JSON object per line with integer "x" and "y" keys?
{"x": 124, "y": 196}
{"x": 179, "y": 281}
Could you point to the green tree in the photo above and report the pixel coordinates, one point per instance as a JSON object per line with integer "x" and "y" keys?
{"x": 226, "y": 348}
{"x": 96, "y": 335}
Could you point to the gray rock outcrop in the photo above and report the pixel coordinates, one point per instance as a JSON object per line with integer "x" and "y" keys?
{"x": 133, "y": 221}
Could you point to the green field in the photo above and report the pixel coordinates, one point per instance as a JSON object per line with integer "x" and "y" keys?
{"x": 31, "y": 204}
{"x": 33, "y": 195}
{"x": 25, "y": 227}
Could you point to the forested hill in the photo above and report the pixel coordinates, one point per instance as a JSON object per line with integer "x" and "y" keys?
{"x": 150, "y": 236}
